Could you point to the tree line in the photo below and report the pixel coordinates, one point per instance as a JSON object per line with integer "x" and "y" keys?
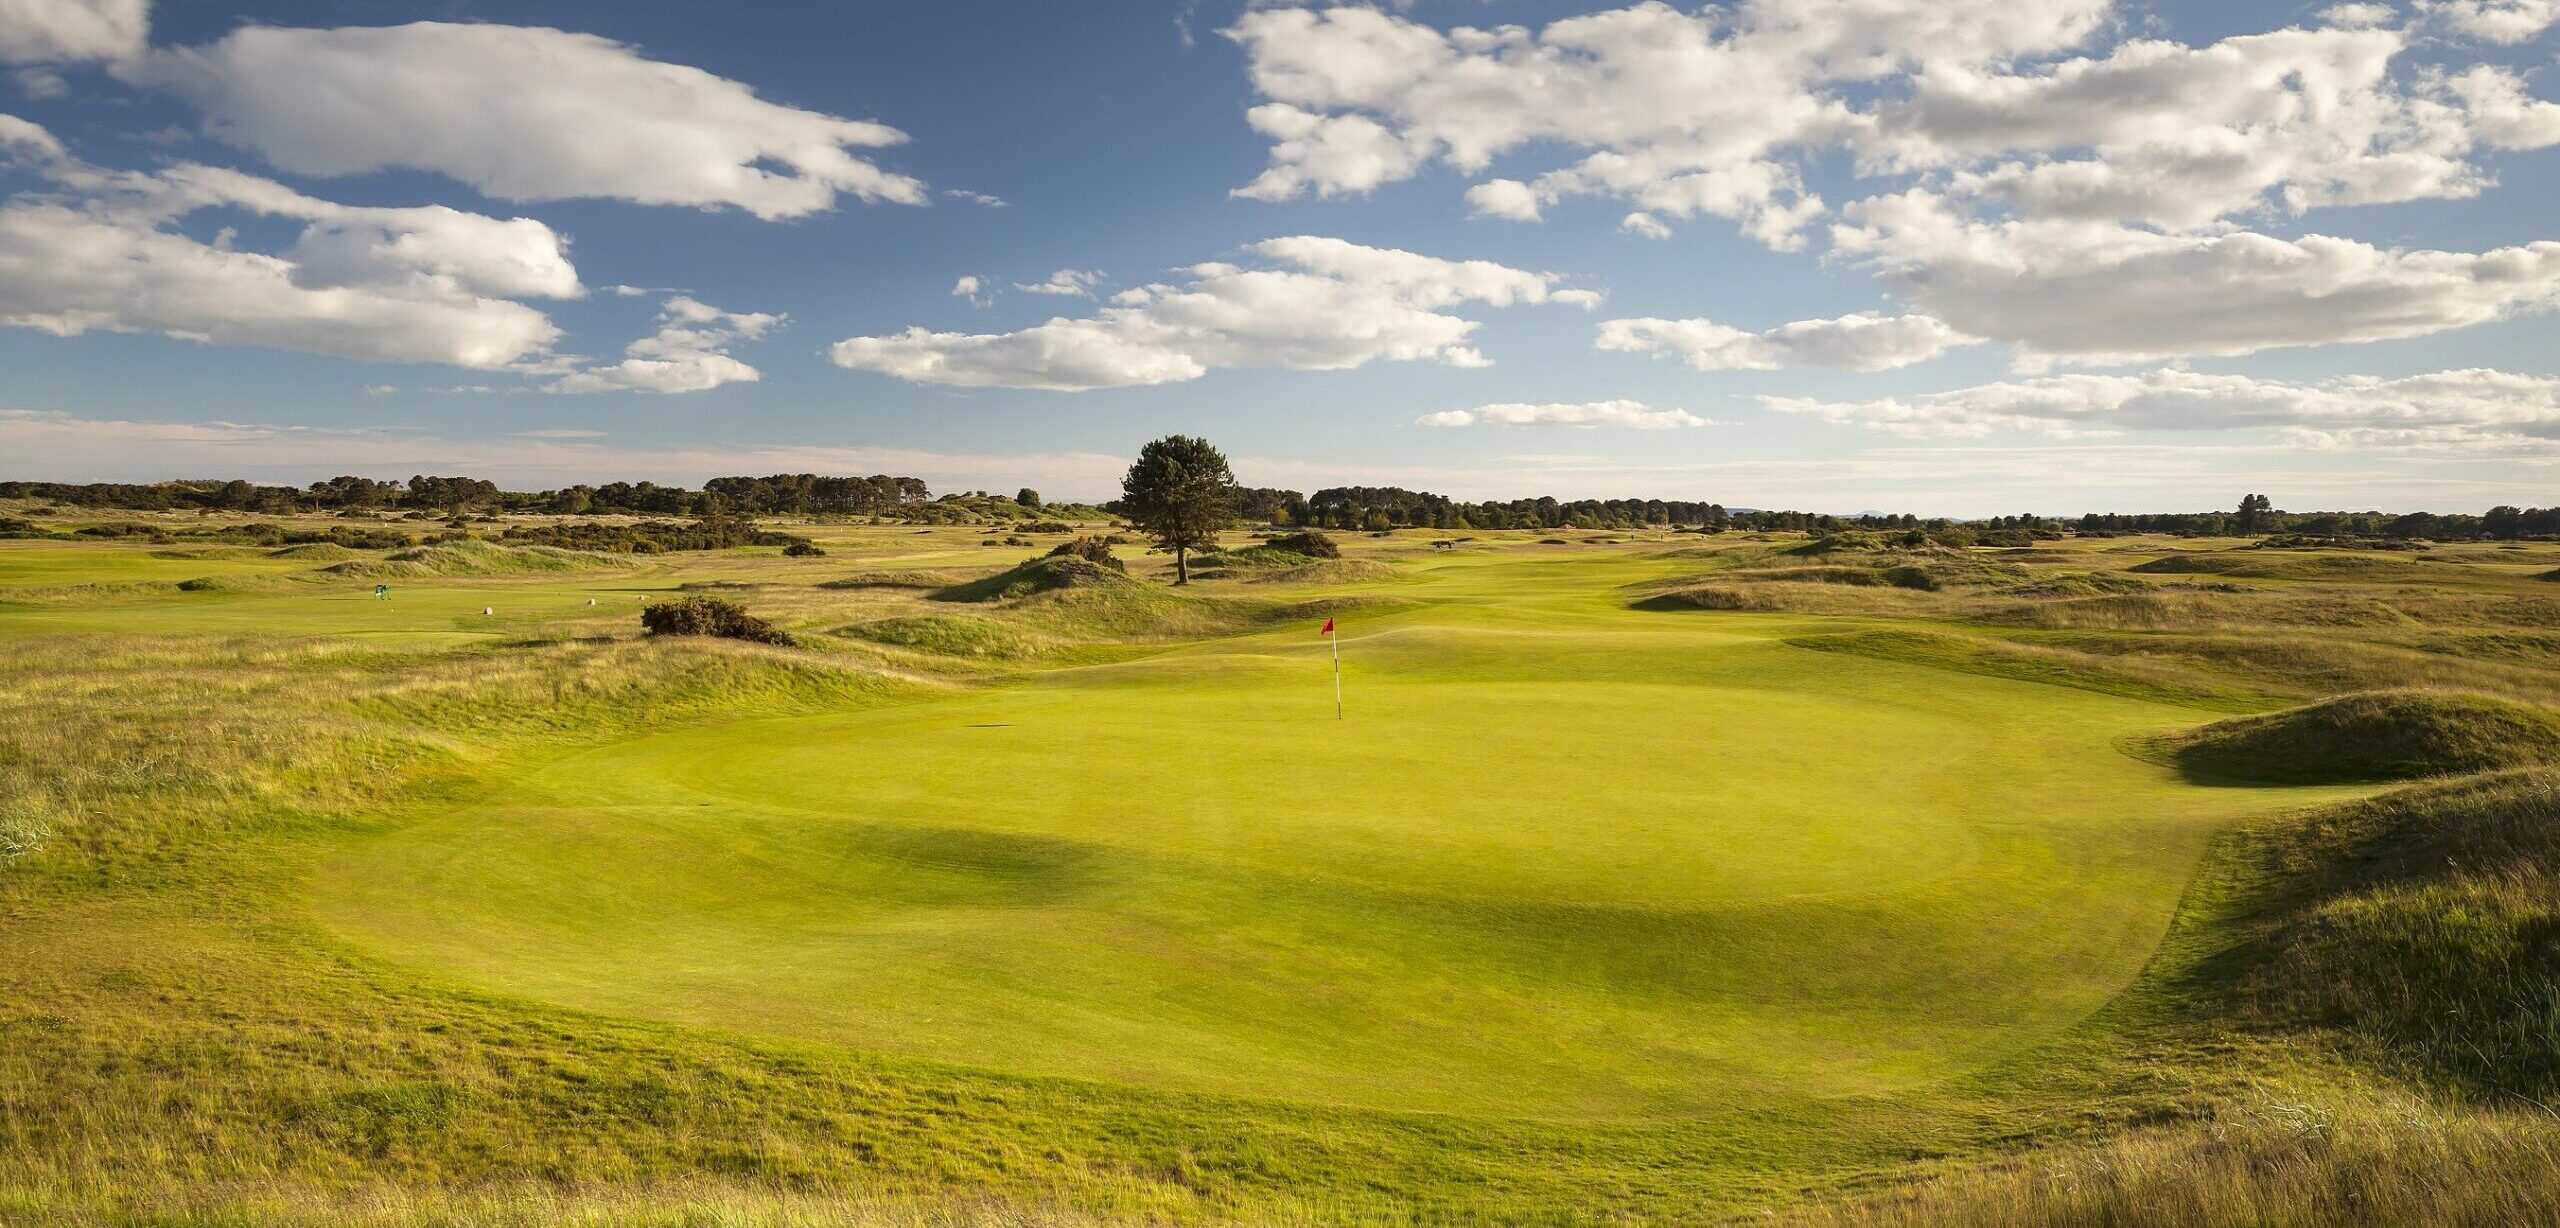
{"x": 1351, "y": 508}
{"x": 1379, "y": 508}
{"x": 779, "y": 494}
{"x": 2257, "y": 516}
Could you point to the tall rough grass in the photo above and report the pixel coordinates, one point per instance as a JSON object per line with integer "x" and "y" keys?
{"x": 2374, "y": 735}
{"x": 2273, "y": 1164}
{"x": 2428, "y": 922}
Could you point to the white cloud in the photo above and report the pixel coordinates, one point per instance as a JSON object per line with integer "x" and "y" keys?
{"x": 983, "y": 199}
{"x": 2502, "y": 115}
{"x": 1997, "y": 109}
{"x": 1508, "y": 198}
{"x": 522, "y": 113}
{"x": 973, "y": 289}
{"x": 40, "y": 83}
{"x": 1861, "y": 342}
{"x": 688, "y": 353}
{"x": 1683, "y": 113}
{"x": 1331, "y": 155}
{"x": 2493, "y": 21}
{"x": 60, "y": 31}
{"x": 1330, "y": 305}
{"x": 1645, "y": 224}
{"x": 2103, "y": 293}
{"x": 2359, "y": 16}
{"x": 2180, "y": 137}
{"x": 1634, "y": 415}
{"x": 428, "y": 284}
{"x": 2473, "y": 409}
{"x": 1065, "y": 283}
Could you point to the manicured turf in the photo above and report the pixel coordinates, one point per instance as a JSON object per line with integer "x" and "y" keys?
{"x": 1563, "y": 859}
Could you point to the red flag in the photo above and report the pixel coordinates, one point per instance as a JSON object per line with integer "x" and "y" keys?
{"x": 1328, "y": 627}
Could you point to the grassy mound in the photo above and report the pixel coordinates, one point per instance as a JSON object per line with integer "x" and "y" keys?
{"x": 1862, "y": 560}
{"x": 233, "y": 584}
{"x": 948, "y": 635}
{"x": 2426, "y": 920}
{"x": 2377, "y": 735}
{"x": 2052, "y": 665}
{"x": 1792, "y": 597}
{"x": 473, "y": 558}
{"x": 322, "y": 552}
{"x": 2266, "y": 565}
{"x": 1252, "y": 562}
{"x": 1331, "y": 571}
{"x": 1048, "y": 574}
{"x": 895, "y": 579}
{"x": 2188, "y": 607}
{"x": 2084, "y": 584}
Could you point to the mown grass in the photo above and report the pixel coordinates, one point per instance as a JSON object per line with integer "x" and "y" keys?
{"x": 328, "y": 910}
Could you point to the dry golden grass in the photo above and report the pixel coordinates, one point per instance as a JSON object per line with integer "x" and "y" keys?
{"x": 2274, "y": 1163}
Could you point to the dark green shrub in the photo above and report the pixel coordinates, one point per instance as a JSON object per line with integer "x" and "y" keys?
{"x": 1311, "y": 544}
{"x": 803, "y": 550}
{"x": 1091, "y": 550}
{"x": 1040, "y": 575}
{"x": 698, "y": 615}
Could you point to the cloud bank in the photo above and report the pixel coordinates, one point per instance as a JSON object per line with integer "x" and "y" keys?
{"x": 523, "y": 114}
{"x": 1321, "y": 304}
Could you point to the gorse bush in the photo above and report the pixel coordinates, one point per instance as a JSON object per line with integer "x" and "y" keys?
{"x": 1041, "y": 575}
{"x": 699, "y": 615}
{"x": 1313, "y": 545}
{"x": 1091, "y": 550}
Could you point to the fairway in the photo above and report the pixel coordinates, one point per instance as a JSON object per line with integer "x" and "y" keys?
{"x": 1563, "y": 859}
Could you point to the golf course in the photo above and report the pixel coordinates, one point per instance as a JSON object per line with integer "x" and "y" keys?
{"x": 1639, "y": 875}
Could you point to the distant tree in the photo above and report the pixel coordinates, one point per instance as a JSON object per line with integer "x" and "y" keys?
{"x": 1180, "y": 492}
{"x": 2253, "y": 512}
{"x": 1027, "y": 497}
{"x": 2504, "y": 523}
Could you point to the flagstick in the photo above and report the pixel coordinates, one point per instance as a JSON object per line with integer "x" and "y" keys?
{"x": 1336, "y": 637}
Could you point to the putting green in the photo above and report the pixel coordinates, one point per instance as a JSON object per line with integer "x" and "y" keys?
{"x": 1596, "y": 864}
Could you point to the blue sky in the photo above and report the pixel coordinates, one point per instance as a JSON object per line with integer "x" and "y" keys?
{"x": 2059, "y": 255}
